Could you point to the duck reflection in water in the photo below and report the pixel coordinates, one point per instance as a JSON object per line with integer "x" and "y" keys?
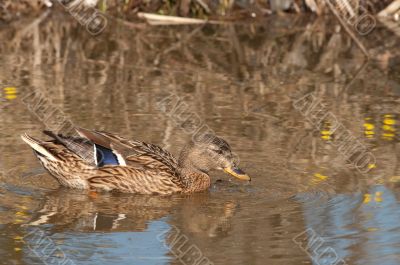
{"x": 198, "y": 214}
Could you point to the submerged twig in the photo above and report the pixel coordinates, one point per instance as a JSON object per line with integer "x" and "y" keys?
{"x": 358, "y": 73}
{"x": 127, "y": 23}
{"x": 348, "y": 30}
{"x": 177, "y": 44}
{"x": 204, "y": 6}
{"x": 154, "y": 19}
{"x": 390, "y": 9}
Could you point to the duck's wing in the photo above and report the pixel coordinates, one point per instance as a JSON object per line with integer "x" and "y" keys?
{"x": 89, "y": 152}
{"x": 148, "y": 157}
{"x": 78, "y": 145}
{"x": 130, "y": 147}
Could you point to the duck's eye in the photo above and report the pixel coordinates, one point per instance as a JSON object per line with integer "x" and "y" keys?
{"x": 218, "y": 151}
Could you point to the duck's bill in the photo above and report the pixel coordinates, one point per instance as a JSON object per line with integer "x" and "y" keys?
{"x": 237, "y": 173}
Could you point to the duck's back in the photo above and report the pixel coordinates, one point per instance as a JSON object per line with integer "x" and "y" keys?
{"x": 105, "y": 161}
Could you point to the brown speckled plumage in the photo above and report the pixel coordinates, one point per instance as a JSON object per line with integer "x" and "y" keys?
{"x": 144, "y": 168}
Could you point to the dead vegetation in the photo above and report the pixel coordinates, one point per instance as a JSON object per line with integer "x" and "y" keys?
{"x": 205, "y": 9}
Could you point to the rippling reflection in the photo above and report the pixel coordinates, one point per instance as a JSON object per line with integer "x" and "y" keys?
{"x": 241, "y": 81}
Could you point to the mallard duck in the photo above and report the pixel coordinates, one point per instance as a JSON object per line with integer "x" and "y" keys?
{"x": 103, "y": 161}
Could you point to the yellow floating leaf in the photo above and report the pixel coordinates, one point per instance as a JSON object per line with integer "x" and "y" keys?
{"x": 11, "y": 90}
{"x": 17, "y": 249}
{"x": 389, "y": 121}
{"x": 11, "y": 97}
{"x": 371, "y": 166}
{"x": 378, "y": 197}
{"x": 369, "y": 126}
{"x": 388, "y": 135}
{"x": 367, "y": 198}
{"x": 326, "y": 137}
{"x": 21, "y": 213}
{"x": 320, "y": 176}
{"x": 18, "y": 238}
{"x": 369, "y": 132}
{"x": 388, "y": 128}
{"x": 372, "y": 229}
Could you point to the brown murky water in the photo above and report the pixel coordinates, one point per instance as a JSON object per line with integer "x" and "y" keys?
{"x": 305, "y": 205}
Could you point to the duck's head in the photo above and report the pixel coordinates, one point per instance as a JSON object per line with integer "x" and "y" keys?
{"x": 210, "y": 152}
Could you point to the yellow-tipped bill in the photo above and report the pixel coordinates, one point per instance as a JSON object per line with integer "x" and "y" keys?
{"x": 237, "y": 173}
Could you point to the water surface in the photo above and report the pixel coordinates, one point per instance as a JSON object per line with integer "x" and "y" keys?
{"x": 305, "y": 205}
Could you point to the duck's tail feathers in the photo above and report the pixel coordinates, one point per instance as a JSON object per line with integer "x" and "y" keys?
{"x": 78, "y": 145}
{"x": 38, "y": 147}
{"x": 51, "y": 134}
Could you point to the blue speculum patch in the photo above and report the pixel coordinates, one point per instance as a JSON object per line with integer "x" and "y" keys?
{"x": 105, "y": 156}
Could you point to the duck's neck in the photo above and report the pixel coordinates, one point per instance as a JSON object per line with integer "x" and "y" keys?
{"x": 194, "y": 180}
